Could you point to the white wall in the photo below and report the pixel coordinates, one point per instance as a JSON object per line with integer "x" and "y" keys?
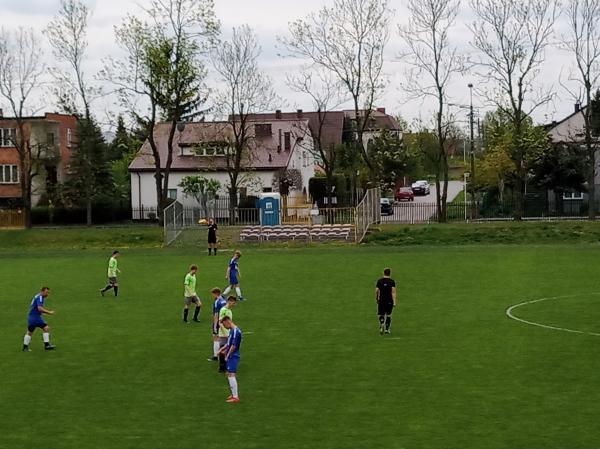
{"x": 253, "y": 181}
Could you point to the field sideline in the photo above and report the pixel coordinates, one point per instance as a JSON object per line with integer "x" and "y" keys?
{"x": 315, "y": 374}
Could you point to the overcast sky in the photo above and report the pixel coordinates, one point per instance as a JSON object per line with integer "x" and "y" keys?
{"x": 269, "y": 18}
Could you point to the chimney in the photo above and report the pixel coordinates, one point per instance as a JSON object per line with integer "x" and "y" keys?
{"x": 280, "y": 142}
{"x": 382, "y": 110}
{"x": 278, "y": 114}
{"x": 577, "y": 107}
{"x": 1, "y": 113}
{"x": 300, "y": 113}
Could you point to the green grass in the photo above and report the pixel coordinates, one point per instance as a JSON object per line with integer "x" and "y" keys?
{"x": 486, "y": 233}
{"x": 315, "y": 374}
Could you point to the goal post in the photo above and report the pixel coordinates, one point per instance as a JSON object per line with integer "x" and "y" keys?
{"x": 368, "y": 213}
{"x": 174, "y": 222}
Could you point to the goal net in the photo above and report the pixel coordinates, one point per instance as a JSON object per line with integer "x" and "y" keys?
{"x": 368, "y": 213}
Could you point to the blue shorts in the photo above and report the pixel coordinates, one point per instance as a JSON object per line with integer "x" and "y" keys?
{"x": 232, "y": 364}
{"x": 233, "y": 280}
{"x": 35, "y": 323}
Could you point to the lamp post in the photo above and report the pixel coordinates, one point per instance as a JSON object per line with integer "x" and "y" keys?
{"x": 472, "y": 126}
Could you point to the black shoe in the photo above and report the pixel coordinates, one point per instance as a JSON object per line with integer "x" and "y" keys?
{"x": 50, "y": 347}
{"x": 186, "y": 322}
{"x": 212, "y": 359}
{"x": 102, "y": 292}
{"x": 26, "y": 348}
{"x": 387, "y": 331}
{"x": 196, "y": 320}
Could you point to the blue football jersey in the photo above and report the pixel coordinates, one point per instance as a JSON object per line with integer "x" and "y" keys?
{"x": 38, "y": 301}
{"x": 219, "y": 304}
{"x": 233, "y": 267}
{"x": 235, "y": 339}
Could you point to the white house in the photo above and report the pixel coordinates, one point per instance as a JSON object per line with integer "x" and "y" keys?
{"x": 278, "y": 149}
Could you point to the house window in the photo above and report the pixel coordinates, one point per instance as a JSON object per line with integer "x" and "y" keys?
{"x": 287, "y": 138}
{"x": 573, "y": 196}
{"x": 69, "y": 137}
{"x": 172, "y": 194}
{"x": 8, "y": 137}
{"x": 209, "y": 149}
{"x": 9, "y": 174}
{"x": 50, "y": 139}
{"x": 263, "y": 130}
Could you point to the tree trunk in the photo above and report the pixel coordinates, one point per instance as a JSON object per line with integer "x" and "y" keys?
{"x": 232, "y": 205}
{"x": 519, "y": 194}
{"x": 591, "y": 180}
{"x": 159, "y": 198}
{"x": 88, "y": 210}
{"x": 329, "y": 188}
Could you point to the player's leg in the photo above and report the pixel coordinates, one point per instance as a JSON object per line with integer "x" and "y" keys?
{"x": 214, "y": 246}
{"x": 381, "y": 315}
{"x": 231, "y": 377}
{"x": 227, "y": 290}
{"x": 27, "y": 338}
{"x": 216, "y": 347}
{"x": 238, "y": 292}
{"x": 388, "y": 319}
{"x": 108, "y": 287}
{"x": 222, "y": 362}
{"x": 116, "y": 288}
{"x": 46, "y": 336}
{"x": 197, "y": 310}
{"x": 186, "y": 309}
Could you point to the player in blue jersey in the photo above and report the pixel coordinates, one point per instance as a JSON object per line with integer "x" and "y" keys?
{"x": 219, "y": 303}
{"x": 35, "y": 320}
{"x": 231, "y": 351}
{"x": 233, "y": 275}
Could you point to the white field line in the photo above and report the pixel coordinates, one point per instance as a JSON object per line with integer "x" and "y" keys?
{"x": 510, "y": 314}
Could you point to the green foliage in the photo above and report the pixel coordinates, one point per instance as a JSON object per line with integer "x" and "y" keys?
{"x": 317, "y": 186}
{"x": 596, "y": 114}
{"x": 89, "y": 174}
{"x": 391, "y": 159}
{"x": 560, "y": 167}
{"x": 423, "y": 147}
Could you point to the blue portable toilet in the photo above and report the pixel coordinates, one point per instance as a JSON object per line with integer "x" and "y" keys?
{"x": 270, "y": 205}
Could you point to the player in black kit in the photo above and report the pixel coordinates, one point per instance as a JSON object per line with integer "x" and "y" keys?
{"x": 212, "y": 236}
{"x": 386, "y": 301}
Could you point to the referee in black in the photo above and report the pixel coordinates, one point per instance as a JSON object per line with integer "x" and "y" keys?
{"x": 385, "y": 294}
{"x": 212, "y": 236}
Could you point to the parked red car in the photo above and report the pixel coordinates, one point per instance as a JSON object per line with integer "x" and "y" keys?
{"x": 405, "y": 194}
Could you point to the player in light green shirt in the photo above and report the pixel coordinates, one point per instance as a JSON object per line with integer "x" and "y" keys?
{"x": 113, "y": 271}
{"x": 189, "y": 287}
{"x": 223, "y": 331}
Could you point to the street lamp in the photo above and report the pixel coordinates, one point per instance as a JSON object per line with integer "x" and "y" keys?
{"x": 472, "y": 125}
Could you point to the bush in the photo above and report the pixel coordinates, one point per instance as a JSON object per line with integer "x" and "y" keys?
{"x": 101, "y": 214}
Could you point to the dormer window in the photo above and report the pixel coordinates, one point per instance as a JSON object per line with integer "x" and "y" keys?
{"x": 209, "y": 149}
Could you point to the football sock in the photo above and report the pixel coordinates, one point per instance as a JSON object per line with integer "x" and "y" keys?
{"x": 209, "y": 251}
{"x": 185, "y": 314}
{"x": 107, "y": 288}
{"x": 196, "y": 312}
{"x": 238, "y": 291}
{"x": 381, "y": 319}
{"x": 388, "y": 323}
{"x": 116, "y": 290}
{"x": 215, "y": 250}
{"x": 233, "y": 386}
{"x": 46, "y": 337}
{"x": 26, "y": 340}
{"x": 227, "y": 290}
{"x": 216, "y": 347}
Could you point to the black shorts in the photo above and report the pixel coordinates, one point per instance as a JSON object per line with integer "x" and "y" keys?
{"x": 385, "y": 308}
{"x": 212, "y": 239}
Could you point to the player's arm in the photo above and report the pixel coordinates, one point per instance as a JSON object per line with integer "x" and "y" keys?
{"x": 231, "y": 349}
{"x": 228, "y": 271}
{"x": 394, "y": 295}
{"x": 377, "y": 294}
{"x": 45, "y": 311}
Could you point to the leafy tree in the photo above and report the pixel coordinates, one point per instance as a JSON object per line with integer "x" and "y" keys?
{"x": 391, "y": 159}
{"x": 89, "y": 173}
{"x": 201, "y": 189}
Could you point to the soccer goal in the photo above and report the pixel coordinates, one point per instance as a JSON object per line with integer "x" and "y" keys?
{"x": 174, "y": 222}
{"x": 368, "y": 213}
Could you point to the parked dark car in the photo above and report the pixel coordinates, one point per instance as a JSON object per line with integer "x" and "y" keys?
{"x": 387, "y": 207}
{"x": 405, "y": 194}
{"x": 421, "y": 188}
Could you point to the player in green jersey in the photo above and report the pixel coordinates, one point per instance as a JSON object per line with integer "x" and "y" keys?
{"x": 191, "y": 297}
{"x": 113, "y": 271}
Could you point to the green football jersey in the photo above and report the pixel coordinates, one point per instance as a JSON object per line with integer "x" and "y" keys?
{"x": 190, "y": 285}
{"x": 223, "y": 332}
{"x": 112, "y": 267}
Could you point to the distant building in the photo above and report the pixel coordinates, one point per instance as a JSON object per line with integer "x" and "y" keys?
{"x": 51, "y": 138}
{"x": 278, "y": 148}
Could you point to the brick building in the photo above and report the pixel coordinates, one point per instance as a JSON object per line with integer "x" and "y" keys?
{"x": 51, "y": 138}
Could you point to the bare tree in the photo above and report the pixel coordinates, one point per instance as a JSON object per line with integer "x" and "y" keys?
{"x": 162, "y": 75}
{"x": 325, "y": 93}
{"x": 246, "y": 90}
{"x": 21, "y": 69}
{"x": 67, "y": 34}
{"x": 433, "y": 61}
{"x": 348, "y": 39}
{"x": 512, "y": 36}
{"x": 582, "y": 41}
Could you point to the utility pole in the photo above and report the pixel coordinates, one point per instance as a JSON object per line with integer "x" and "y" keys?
{"x": 472, "y": 176}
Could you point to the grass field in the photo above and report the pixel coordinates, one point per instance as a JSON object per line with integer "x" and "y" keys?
{"x": 315, "y": 373}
